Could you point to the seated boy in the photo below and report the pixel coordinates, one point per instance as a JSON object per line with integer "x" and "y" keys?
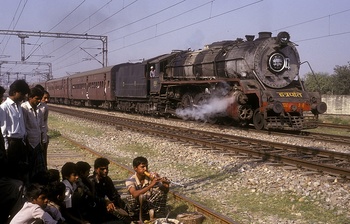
{"x": 32, "y": 210}
{"x": 148, "y": 194}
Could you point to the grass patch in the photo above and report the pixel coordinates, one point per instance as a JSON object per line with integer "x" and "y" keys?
{"x": 244, "y": 203}
{"x": 334, "y": 119}
{"x": 54, "y": 133}
{"x": 57, "y": 122}
{"x": 286, "y": 206}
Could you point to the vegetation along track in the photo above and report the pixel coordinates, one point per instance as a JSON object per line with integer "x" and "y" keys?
{"x": 58, "y": 157}
{"x": 334, "y": 163}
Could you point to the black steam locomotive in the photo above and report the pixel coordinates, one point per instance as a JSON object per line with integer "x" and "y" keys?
{"x": 252, "y": 81}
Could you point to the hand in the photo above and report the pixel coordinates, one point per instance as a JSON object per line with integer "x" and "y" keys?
{"x": 155, "y": 181}
{"x": 154, "y": 175}
{"x": 110, "y": 207}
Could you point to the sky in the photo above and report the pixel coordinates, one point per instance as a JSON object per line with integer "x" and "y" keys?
{"x": 142, "y": 29}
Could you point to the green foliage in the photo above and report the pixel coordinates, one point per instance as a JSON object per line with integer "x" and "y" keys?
{"x": 319, "y": 82}
{"x": 341, "y": 80}
{"x": 337, "y": 83}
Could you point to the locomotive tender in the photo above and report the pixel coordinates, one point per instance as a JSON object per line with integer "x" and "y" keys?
{"x": 252, "y": 81}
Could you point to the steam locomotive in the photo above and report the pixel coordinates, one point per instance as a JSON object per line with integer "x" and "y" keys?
{"x": 252, "y": 81}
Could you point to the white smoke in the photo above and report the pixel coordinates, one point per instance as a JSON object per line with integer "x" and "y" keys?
{"x": 213, "y": 107}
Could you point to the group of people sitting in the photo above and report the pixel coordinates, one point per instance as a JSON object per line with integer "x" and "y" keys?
{"x": 32, "y": 193}
{"x": 75, "y": 196}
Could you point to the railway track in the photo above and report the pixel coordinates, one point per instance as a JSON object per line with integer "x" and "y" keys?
{"x": 324, "y": 137}
{"x": 59, "y": 154}
{"x": 333, "y": 163}
{"x": 338, "y": 126}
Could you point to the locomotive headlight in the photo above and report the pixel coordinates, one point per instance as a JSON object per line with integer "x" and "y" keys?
{"x": 283, "y": 38}
{"x": 277, "y": 62}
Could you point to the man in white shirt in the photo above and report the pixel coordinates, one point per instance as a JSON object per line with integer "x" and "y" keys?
{"x": 13, "y": 129}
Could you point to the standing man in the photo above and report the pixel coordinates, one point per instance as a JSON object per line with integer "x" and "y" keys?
{"x": 152, "y": 73}
{"x": 33, "y": 120}
{"x": 10, "y": 189}
{"x": 44, "y": 108}
{"x": 13, "y": 129}
{"x": 148, "y": 192}
{"x": 3, "y": 156}
{"x": 2, "y": 91}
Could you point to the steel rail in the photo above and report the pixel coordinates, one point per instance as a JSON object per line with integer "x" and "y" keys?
{"x": 339, "y": 126}
{"x": 268, "y": 150}
{"x": 199, "y": 207}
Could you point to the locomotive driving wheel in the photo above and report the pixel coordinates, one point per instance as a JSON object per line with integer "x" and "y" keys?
{"x": 187, "y": 101}
{"x": 258, "y": 120}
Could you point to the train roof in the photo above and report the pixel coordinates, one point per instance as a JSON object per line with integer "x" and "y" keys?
{"x": 94, "y": 71}
{"x": 163, "y": 57}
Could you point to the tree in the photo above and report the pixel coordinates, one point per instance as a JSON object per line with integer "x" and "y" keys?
{"x": 319, "y": 82}
{"x": 341, "y": 80}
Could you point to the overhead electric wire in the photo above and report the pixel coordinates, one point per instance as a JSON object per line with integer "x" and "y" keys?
{"x": 67, "y": 16}
{"x": 145, "y": 17}
{"x": 58, "y": 48}
{"x": 14, "y": 26}
{"x": 188, "y": 25}
{"x": 197, "y": 7}
{"x": 78, "y": 25}
{"x": 324, "y": 36}
{"x": 166, "y": 20}
{"x": 123, "y": 8}
{"x": 112, "y": 15}
{"x": 33, "y": 50}
{"x": 65, "y": 55}
{"x": 90, "y": 16}
{"x": 312, "y": 20}
{"x": 70, "y": 13}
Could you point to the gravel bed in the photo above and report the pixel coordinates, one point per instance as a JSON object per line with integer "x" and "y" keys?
{"x": 222, "y": 177}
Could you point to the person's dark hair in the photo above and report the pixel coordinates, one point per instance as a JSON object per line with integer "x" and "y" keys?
{"x": 82, "y": 167}
{"x": 55, "y": 190}
{"x": 139, "y": 160}
{"x": 2, "y": 90}
{"x": 68, "y": 168}
{"x": 19, "y": 86}
{"x": 101, "y": 162}
{"x": 33, "y": 191}
{"x": 41, "y": 178}
{"x": 36, "y": 92}
{"x": 40, "y": 87}
{"x": 46, "y": 92}
{"x": 54, "y": 175}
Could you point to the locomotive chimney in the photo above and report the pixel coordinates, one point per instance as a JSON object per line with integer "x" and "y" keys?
{"x": 265, "y": 34}
{"x": 249, "y": 37}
